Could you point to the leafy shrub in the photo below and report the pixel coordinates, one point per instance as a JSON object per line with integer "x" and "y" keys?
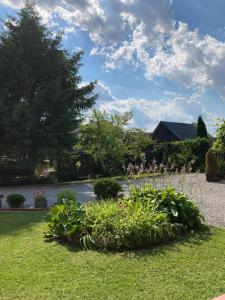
{"x": 176, "y": 204}
{"x": 126, "y": 225}
{"x": 15, "y": 200}
{"x": 107, "y": 189}
{"x": 66, "y": 195}
{"x": 40, "y": 200}
{"x": 65, "y": 221}
{"x": 180, "y": 153}
{"x": 49, "y": 178}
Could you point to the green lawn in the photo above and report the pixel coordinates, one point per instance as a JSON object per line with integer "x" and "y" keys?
{"x": 193, "y": 268}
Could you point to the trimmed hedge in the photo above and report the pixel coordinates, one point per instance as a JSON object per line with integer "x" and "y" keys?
{"x": 179, "y": 154}
{"x": 107, "y": 189}
{"x": 15, "y": 200}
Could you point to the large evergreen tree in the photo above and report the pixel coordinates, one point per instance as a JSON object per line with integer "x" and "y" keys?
{"x": 201, "y": 128}
{"x": 41, "y": 98}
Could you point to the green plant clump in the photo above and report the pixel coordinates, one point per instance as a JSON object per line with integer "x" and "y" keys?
{"x": 15, "y": 200}
{"x": 148, "y": 217}
{"x": 66, "y": 221}
{"x": 177, "y": 206}
{"x": 107, "y": 189}
{"x": 66, "y": 195}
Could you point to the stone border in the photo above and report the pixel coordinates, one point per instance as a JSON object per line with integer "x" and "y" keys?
{"x": 23, "y": 209}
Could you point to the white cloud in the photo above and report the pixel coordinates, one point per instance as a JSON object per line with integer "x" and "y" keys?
{"x": 148, "y": 112}
{"x": 145, "y": 35}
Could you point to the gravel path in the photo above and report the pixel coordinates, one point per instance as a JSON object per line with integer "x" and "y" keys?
{"x": 210, "y": 197}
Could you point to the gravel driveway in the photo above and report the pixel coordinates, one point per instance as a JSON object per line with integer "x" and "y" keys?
{"x": 210, "y": 197}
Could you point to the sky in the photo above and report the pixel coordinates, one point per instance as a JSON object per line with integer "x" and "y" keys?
{"x": 162, "y": 59}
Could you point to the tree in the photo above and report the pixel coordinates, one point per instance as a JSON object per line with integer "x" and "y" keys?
{"x": 103, "y": 138}
{"x": 41, "y": 97}
{"x": 108, "y": 140}
{"x": 137, "y": 143}
{"x": 201, "y": 128}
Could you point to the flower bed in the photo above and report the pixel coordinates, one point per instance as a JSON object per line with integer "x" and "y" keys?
{"x": 149, "y": 216}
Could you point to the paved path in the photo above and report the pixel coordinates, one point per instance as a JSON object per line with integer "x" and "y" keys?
{"x": 210, "y": 197}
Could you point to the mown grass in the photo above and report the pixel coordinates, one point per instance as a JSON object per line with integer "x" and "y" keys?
{"x": 191, "y": 268}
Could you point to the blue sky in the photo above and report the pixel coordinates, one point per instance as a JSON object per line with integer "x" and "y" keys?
{"x": 163, "y": 59}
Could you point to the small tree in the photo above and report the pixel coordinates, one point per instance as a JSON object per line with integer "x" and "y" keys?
{"x": 201, "y": 128}
{"x": 103, "y": 138}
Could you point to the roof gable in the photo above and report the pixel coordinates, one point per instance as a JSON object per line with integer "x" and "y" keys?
{"x": 183, "y": 131}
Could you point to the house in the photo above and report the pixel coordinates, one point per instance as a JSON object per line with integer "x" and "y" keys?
{"x": 173, "y": 131}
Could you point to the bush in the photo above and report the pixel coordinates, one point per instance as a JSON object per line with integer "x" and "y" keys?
{"x": 176, "y": 204}
{"x": 66, "y": 195}
{"x": 181, "y": 153}
{"x": 65, "y": 221}
{"x": 15, "y": 200}
{"x": 126, "y": 225}
{"x": 107, "y": 189}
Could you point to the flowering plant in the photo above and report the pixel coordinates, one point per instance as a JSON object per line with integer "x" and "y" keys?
{"x": 40, "y": 199}
{"x": 1, "y": 196}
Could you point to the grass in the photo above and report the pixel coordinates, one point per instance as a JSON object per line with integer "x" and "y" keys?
{"x": 192, "y": 268}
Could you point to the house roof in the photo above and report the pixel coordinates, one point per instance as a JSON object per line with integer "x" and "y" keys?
{"x": 183, "y": 131}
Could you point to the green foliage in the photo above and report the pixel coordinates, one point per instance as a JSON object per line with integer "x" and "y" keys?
{"x": 179, "y": 154}
{"x": 15, "y": 200}
{"x": 41, "y": 99}
{"x": 126, "y": 225}
{"x": 137, "y": 143}
{"x": 66, "y": 195}
{"x": 106, "y": 138}
{"x": 176, "y": 205}
{"x": 219, "y": 144}
{"x": 65, "y": 221}
{"x": 102, "y": 138}
{"x": 148, "y": 217}
{"x": 201, "y": 128}
{"x": 107, "y": 188}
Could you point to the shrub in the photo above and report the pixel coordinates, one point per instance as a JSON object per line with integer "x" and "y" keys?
{"x": 107, "y": 189}
{"x": 126, "y": 225}
{"x": 15, "y": 200}
{"x": 180, "y": 153}
{"x": 40, "y": 200}
{"x": 65, "y": 221}
{"x": 176, "y": 204}
{"x": 66, "y": 195}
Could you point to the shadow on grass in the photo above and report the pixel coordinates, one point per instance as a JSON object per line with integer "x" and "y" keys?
{"x": 14, "y": 222}
{"x": 189, "y": 240}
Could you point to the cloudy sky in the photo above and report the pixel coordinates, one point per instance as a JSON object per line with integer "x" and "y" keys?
{"x": 163, "y": 59}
